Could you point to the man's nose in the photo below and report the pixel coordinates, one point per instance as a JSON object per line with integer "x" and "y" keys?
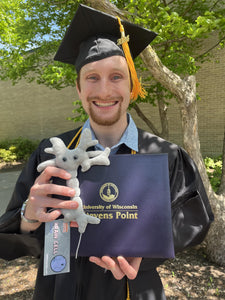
{"x": 105, "y": 89}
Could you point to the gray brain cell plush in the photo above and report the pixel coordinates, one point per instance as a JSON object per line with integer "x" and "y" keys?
{"x": 70, "y": 160}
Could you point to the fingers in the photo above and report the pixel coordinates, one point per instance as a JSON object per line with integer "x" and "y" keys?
{"x": 50, "y": 172}
{"x": 51, "y": 189}
{"x": 130, "y": 266}
{"x": 43, "y": 216}
{"x": 39, "y": 199}
{"x": 98, "y": 261}
{"x": 42, "y": 185}
{"x": 38, "y": 211}
{"x": 73, "y": 224}
{"x": 113, "y": 266}
{"x": 37, "y": 208}
{"x": 119, "y": 266}
{"x": 46, "y": 201}
{"x": 108, "y": 263}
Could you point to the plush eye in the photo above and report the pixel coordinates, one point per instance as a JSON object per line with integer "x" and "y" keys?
{"x": 75, "y": 157}
{"x": 64, "y": 159}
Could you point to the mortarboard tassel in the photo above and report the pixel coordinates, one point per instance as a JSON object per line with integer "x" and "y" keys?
{"x": 137, "y": 88}
{"x": 128, "y": 291}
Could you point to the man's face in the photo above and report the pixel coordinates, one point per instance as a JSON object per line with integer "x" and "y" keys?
{"x": 105, "y": 90}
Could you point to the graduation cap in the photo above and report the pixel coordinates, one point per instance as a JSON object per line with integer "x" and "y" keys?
{"x": 94, "y": 35}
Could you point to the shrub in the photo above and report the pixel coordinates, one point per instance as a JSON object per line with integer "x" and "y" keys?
{"x": 16, "y": 150}
{"x": 7, "y": 155}
{"x": 214, "y": 171}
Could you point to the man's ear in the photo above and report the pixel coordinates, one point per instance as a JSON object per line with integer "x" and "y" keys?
{"x": 78, "y": 83}
{"x": 78, "y": 87}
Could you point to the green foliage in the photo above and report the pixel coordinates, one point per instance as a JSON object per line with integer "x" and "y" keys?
{"x": 80, "y": 114}
{"x": 182, "y": 25}
{"x": 214, "y": 171}
{"x": 30, "y": 32}
{"x": 7, "y": 155}
{"x": 16, "y": 150}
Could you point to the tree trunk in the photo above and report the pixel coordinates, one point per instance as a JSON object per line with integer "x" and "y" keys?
{"x": 216, "y": 237}
{"x": 145, "y": 119}
{"x": 163, "y": 118}
{"x": 105, "y": 6}
{"x": 185, "y": 91}
{"x": 189, "y": 119}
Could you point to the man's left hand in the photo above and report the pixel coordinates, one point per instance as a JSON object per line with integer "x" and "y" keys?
{"x": 119, "y": 266}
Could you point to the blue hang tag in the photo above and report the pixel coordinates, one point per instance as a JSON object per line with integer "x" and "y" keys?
{"x": 57, "y": 248}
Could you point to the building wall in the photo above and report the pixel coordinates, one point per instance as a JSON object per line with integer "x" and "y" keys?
{"x": 211, "y": 107}
{"x": 35, "y": 111}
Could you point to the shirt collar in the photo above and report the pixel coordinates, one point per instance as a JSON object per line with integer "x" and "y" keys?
{"x": 129, "y": 137}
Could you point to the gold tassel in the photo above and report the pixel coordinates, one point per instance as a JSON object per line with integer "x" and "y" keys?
{"x": 137, "y": 88}
{"x": 128, "y": 291}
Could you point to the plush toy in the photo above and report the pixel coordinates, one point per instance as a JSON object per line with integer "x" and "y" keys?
{"x": 71, "y": 160}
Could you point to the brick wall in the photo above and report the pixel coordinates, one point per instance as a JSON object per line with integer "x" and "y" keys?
{"x": 34, "y": 111}
{"x": 211, "y": 107}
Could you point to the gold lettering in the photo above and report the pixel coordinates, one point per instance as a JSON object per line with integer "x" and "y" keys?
{"x": 105, "y": 216}
{"x": 126, "y": 215}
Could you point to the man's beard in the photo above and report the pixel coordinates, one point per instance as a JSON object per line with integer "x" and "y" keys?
{"x": 103, "y": 121}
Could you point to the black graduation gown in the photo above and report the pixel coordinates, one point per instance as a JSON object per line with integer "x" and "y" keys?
{"x": 191, "y": 214}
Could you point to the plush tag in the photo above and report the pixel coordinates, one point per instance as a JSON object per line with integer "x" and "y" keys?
{"x": 57, "y": 247}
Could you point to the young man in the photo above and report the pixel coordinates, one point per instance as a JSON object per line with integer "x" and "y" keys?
{"x": 106, "y": 84}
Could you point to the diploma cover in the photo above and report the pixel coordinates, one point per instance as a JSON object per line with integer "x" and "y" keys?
{"x": 132, "y": 199}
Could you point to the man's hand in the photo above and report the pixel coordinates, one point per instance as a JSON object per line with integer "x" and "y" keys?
{"x": 40, "y": 198}
{"x": 119, "y": 266}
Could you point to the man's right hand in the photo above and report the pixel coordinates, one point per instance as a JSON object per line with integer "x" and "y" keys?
{"x": 40, "y": 199}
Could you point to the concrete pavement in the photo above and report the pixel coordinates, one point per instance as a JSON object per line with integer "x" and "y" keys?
{"x": 7, "y": 183}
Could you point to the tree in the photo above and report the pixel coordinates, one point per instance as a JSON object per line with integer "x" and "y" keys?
{"x": 29, "y": 36}
{"x": 181, "y": 25}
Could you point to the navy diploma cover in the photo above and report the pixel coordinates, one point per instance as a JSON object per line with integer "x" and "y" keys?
{"x": 132, "y": 199}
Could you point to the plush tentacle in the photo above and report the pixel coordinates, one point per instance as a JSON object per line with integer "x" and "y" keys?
{"x": 44, "y": 164}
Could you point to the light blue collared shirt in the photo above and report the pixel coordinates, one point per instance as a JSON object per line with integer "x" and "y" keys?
{"x": 129, "y": 137}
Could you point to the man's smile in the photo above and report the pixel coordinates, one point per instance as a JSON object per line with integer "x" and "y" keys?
{"x": 105, "y": 104}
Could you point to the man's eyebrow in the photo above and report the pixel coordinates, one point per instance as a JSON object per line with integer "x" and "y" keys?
{"x": 90, "y": 70}
{"x": 95, "y": 70}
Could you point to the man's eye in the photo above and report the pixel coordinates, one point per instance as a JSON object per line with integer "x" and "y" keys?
{"x": 92, "y": 78}
{"x": 116, "y": 77}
